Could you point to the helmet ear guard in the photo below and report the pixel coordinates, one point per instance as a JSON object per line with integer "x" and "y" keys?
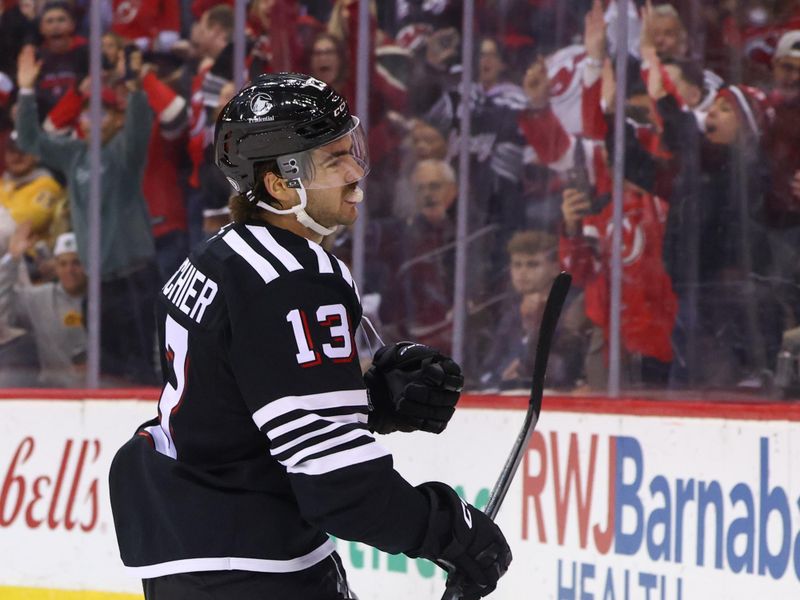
{"x": 294, "y": 166}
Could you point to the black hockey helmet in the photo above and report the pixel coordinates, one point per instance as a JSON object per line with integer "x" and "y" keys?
{"x": 286, "y": 116}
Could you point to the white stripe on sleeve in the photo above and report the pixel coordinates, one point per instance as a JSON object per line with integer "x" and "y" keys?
{"x": 340, "y": 460}
{"x": 323, "y": 259}
{"x": 345, "y": 272}
{"x": 311, "y": 402}
{"x": 280, "y": 430}
{"x": 348, "y": 277}
{"x": 312, "y": 434}
{"x": 260, "y": 264}
{"x": 299, "y": 457}
{"x": 274, "y": 248}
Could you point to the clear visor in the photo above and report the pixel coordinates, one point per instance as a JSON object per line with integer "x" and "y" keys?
{"x": 341, "y": 162}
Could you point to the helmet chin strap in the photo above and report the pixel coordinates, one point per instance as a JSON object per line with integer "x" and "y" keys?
{"x": 299, "y": 211}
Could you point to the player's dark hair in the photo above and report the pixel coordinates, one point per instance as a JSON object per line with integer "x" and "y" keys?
{"x": 242, "y": 210}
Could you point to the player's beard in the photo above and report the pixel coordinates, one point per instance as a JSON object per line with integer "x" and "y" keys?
{"x": 342, "y": 211}
{"x": 351, "y": 197}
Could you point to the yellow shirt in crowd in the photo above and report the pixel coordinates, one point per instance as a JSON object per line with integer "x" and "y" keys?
{"x": 36, "y": 198}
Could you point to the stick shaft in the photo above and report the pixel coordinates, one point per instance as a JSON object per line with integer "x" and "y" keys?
{"x": 547, "y": 328}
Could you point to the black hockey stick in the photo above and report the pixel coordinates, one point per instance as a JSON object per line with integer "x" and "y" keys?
{"x": 552, "y": 310}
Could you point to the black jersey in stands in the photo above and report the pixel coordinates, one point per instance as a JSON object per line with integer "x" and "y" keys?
{"x": 263, "y": 444}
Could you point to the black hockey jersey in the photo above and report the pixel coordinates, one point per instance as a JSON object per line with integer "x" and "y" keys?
{"x": 261, "y": 446}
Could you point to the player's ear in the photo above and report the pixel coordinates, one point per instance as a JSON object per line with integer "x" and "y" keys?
{"x": 276, "y": 187}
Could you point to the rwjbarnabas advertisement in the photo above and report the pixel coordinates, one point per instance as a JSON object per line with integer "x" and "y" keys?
{"x": 605, "y": 506}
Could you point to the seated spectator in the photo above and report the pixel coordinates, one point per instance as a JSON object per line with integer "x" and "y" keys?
{"x": 422, "y": 142}
{"x": 127, "y": 254}
{"x": 64, "y": 55}
{"x": 514, "y": 366}
{"x": 31, "y": 194}
{"x": 533, "y": 265}
{"x": 426, "y": 275}
{"x": 18, "y": 364}
{"x": 52, "y": 311}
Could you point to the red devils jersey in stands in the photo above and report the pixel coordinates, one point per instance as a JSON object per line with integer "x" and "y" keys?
{"x": 261, "y": 446}
{"x": 161, "y": 185}
{"x": 649, "y": 305}
{"x": 154, "y": 24}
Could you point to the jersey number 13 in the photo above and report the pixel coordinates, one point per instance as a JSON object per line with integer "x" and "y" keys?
{"x": 340, "y": 348}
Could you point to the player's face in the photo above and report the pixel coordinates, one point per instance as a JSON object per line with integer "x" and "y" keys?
{"x": 339, "y": 164}
{"x": 532, "y": 272}
{"x": 335, "y": 205}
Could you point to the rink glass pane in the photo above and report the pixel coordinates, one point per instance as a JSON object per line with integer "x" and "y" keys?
{"x": 710, "y": 235}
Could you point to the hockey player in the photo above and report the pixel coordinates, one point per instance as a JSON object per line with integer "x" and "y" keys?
{"x": 263, "y": 442}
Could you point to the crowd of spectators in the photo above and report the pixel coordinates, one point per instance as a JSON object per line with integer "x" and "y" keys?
{"x": 711, "y": 193}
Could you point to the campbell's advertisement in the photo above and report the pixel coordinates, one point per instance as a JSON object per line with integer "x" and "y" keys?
{"x": 606, "y": 507}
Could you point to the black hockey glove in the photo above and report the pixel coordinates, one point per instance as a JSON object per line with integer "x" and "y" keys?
{"x": 412, "y": 387}
{"x": 463, "y": 541}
